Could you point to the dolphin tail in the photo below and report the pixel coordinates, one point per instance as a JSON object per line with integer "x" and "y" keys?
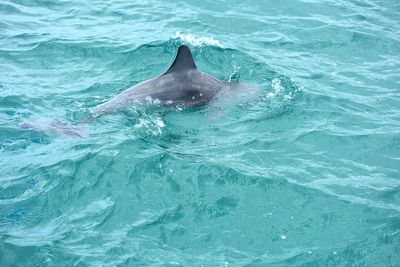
{"x": 56, "y": 126}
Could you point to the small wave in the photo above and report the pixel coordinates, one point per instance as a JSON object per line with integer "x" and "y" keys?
{"x": 197, "y": 41}
{"x": 37, "y": 236}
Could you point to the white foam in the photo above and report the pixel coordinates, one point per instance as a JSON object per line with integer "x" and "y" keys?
{"x": 159, "y": 122}
{"x": 151, "y": 124}
{"x": 196, "y": 40}
{"x": 276, "y": 86}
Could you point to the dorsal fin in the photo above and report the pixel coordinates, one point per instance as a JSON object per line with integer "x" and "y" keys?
{"x": 183, "y": 60}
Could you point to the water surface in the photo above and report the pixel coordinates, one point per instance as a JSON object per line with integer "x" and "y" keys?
{"x": 307, "y": 174}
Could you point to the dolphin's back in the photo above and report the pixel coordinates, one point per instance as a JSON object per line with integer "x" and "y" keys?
{"x": 182, "y": 84}
{"x": 187, "y": 88}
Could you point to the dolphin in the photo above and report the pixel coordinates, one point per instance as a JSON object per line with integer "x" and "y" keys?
{"x": 181, "y": 85}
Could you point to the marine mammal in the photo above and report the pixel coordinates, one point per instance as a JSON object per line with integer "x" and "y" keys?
{"x": 182, "y": 84}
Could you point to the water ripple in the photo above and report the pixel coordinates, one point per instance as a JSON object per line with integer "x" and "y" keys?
{"x": 304, "y": 174}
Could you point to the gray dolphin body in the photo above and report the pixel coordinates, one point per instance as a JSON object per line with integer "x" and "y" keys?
{"x": 182, "y": 84}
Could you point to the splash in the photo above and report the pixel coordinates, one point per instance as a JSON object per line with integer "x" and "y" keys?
{"x": 150, "y": 124}
{"x": 197, "y": 41}
{"x": 283, "y": 89}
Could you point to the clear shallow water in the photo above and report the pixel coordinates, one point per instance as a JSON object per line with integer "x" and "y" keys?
{"x": 308, "y": 174}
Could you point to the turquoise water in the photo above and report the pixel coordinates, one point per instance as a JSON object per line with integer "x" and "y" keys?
{"x": 305, "y": 175}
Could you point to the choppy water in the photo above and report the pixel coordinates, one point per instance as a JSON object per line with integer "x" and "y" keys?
{"x": 308, "y": 174}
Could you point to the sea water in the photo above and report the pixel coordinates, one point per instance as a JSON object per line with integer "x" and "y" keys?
{"x": 307, "y": 174}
